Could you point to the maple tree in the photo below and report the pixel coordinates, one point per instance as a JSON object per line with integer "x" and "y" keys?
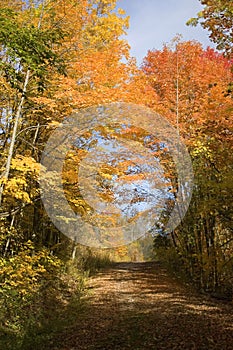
{"x": 192, "y": 85}
{"x": 34, "y": 81}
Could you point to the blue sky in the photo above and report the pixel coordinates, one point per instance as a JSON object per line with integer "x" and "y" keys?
{"x": 155, "y": 22}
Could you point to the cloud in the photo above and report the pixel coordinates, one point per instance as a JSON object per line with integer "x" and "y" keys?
{"x": 155, "y": 22}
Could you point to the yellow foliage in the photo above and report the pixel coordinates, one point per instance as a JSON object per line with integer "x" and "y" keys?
{"x": 202, "y": 149}
{"x": 25, "y": 164}
{"x": 23, "y": 272}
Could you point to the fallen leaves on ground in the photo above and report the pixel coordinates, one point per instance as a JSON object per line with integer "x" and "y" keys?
{"x": 139, "y": 306}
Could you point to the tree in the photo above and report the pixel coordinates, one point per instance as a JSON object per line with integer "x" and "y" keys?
{"x": 192, "y": 85}
{"x": 26, "y": 52}
{"x": 71, "y": 54}
{"x": 217, "y": 18}
{"x": 56, "y": 56}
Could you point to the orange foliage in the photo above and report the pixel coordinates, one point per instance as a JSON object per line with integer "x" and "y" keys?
{"x": 203, "y": 77}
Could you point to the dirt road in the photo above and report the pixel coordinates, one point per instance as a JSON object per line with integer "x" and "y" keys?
{"x": 138, "y": 306}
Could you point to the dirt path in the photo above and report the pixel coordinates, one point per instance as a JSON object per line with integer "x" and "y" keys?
{"x": 138, "y": 306}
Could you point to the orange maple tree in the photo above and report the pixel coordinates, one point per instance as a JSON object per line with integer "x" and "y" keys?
{"x": 194, "y": 94}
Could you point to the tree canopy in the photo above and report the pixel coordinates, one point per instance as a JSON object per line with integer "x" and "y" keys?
{"x": 217, "y": 18}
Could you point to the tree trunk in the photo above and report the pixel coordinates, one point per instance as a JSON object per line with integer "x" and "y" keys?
{"x": 6, "y": 173}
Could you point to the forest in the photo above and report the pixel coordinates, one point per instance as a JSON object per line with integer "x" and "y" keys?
{"x": 63, "y": 57}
